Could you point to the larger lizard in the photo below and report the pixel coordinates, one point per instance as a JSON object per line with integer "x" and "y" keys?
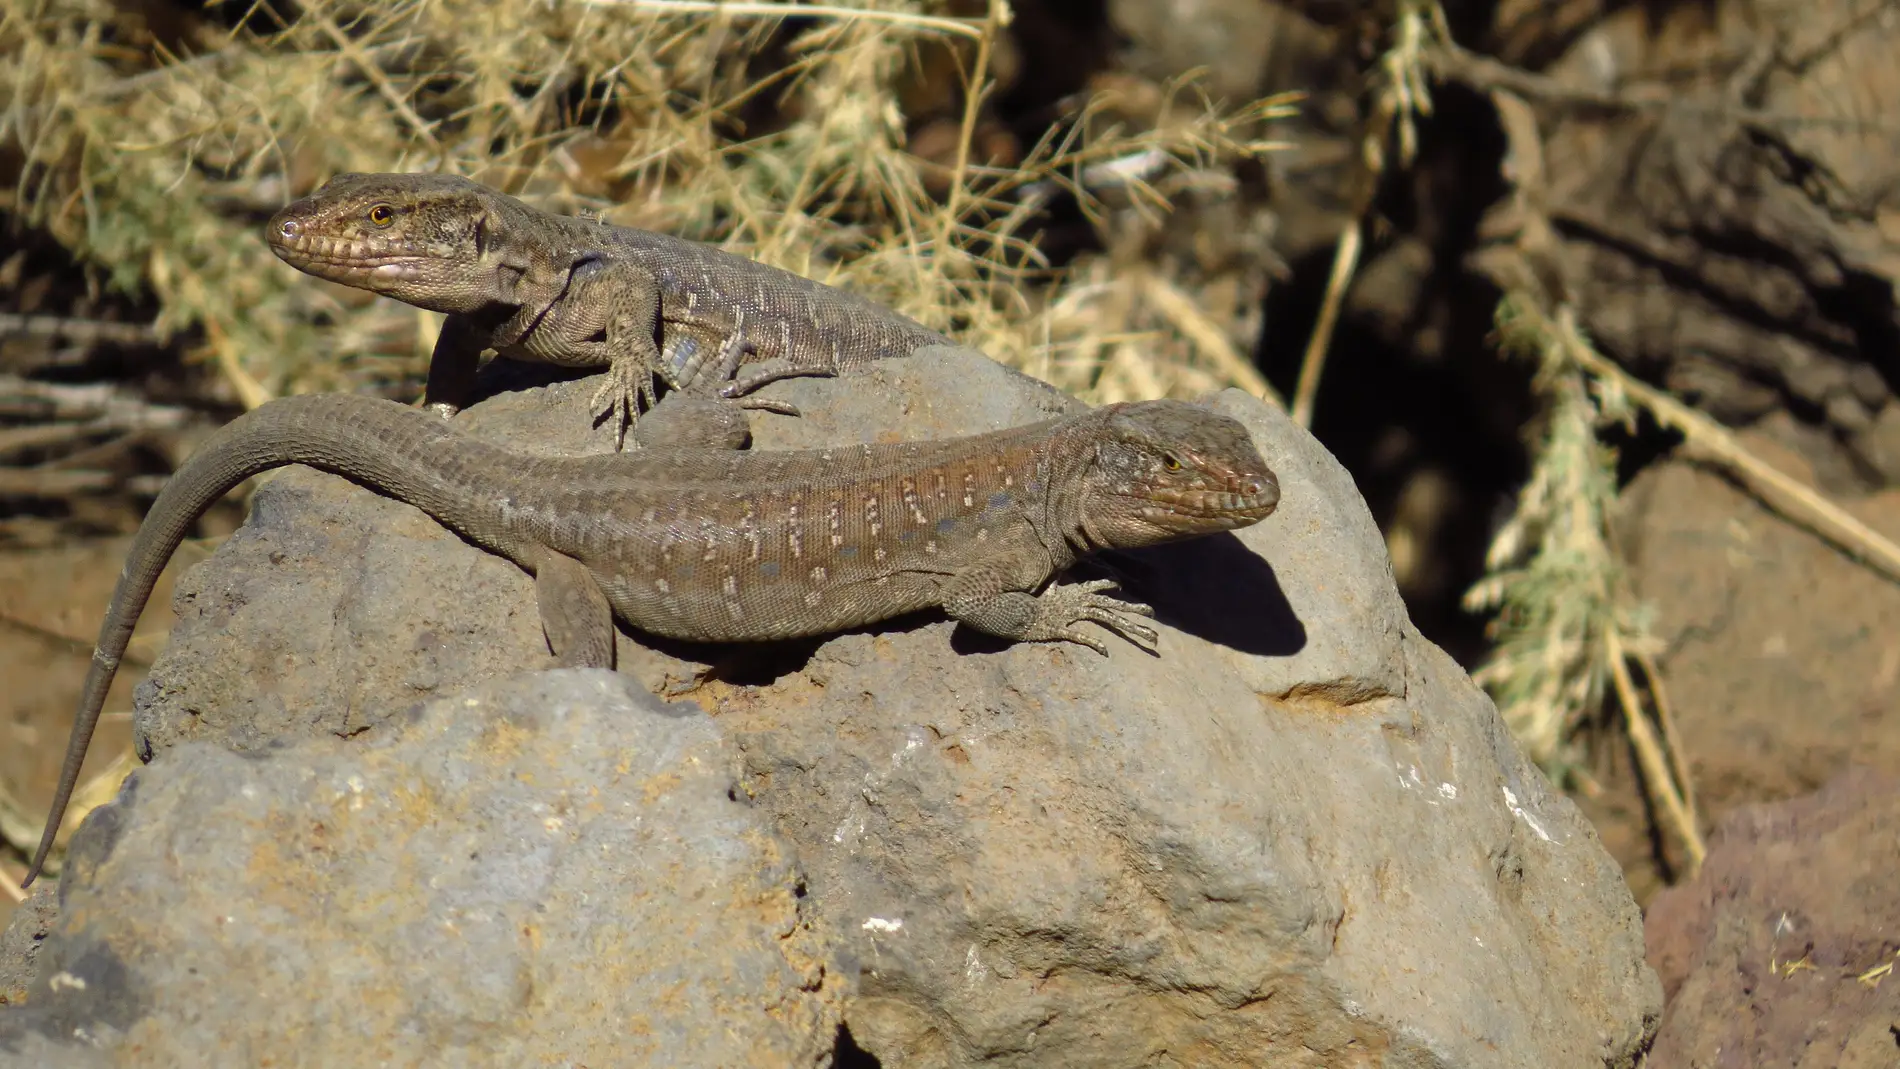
{"x": 575, "y": 292}
{"x": 721, "y": 545}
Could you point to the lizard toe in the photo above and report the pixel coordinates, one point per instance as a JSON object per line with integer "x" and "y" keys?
{"x": 1082, "y": 638}
{"x": 760, "y": 404}
{"x": 1117, "y": 621}
{"x": 628, "y": 390}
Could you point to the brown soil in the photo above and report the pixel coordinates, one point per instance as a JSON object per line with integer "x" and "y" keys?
{"x": 1782, "y": 952}
{"x": 51, "y": 601}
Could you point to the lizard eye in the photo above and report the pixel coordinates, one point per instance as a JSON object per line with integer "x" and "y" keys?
{"x": 382, "y": 214}
{"x": 1169, "y": 462}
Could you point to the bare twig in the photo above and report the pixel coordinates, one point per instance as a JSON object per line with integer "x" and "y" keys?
{"x": 1452, "y": 63}
{"x": 971, "y": 28}
{"x": 1345, "y": 262}
{"x": 107, "y": 403}
{"x": 46, "y": 435}
{"x": 1180, "y": 310}
{"x": 37, "y": 482}
{"x": 1656, "y": 770}
{"x": 84, "y": 331}
{"x": 1707, "y": 439}
{"x": 250, "y": 392}
{"x": 1402, "y": 95}
{"x": 973, "y": 93}
{"x": 1666, "y": 720}
{"x": 377, "y": 77}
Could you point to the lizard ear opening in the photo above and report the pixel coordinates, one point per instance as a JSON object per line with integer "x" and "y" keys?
{"x": 481, "y": 234}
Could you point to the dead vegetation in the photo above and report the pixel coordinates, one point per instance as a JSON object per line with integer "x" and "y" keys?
{"x": 780, "y": 139}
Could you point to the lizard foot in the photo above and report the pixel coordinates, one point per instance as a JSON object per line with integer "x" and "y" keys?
{"x": 628, "y": 391}
{"x": 740, "y": 386}
{"x": 1061, "y": 607}
{"x": 689, "y": 366}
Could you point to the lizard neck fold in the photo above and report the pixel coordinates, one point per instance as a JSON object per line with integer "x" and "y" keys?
{"x": 1068, "y": 460}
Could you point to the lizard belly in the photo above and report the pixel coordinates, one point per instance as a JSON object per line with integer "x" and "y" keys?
{"x": 771, "y": 604}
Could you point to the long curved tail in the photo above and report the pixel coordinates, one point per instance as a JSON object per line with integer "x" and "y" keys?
{"x": 404, "y": 453}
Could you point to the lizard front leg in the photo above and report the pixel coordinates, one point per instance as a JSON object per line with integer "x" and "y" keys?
{"x": 606, "y": 317}
{"x": 452, "y": 366}
{"x": 981, "y": 598}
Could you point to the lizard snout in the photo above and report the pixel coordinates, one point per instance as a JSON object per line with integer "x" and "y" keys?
{"x": 1260, "y": 491}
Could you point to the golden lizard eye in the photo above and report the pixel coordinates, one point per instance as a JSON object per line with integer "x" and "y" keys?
{"x": 382, "y": 214}
{"x": 1168, "y": 462}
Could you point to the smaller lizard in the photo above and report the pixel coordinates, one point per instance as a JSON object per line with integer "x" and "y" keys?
{"x": 718, "y": 545}
{"x": 577, "y": 292}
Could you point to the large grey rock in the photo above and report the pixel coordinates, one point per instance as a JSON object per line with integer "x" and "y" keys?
{"x": 20, "y": 943}
{"x": 1297, "y": 836}
{"x": 548, "y": 870}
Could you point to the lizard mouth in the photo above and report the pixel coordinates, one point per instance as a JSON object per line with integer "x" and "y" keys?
{"x": 349, "y": 262}
{"x": 1251, "y": 499}
{"x": 341, "y": 259}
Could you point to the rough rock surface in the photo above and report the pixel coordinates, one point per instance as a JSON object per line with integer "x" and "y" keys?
{"x": 1299, "y": 836}
{"x": 1744, "y": 253}
{"x": 21, "y": 941}
{"x": 553, "y": 869}
{"x": 1783, "y": 949}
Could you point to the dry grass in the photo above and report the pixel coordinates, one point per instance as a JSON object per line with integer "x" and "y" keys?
{"x": 1566, "y": 626}
{"x": 783, "y": 141}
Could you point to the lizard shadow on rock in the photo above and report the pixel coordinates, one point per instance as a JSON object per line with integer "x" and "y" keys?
{"x": 505, "y": 376}
{"x": 1215, "y": 589}
{"x": 760, "y": 664}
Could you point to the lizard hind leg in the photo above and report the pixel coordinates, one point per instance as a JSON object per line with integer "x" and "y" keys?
{"x": 574, "y": 613}
{"x": 689, "y": 370}
{"x": 701, "y": 410}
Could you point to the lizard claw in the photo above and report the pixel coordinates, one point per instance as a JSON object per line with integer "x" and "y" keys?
{"x": 1085, "y": 601}
{"x": 628, "y": 391}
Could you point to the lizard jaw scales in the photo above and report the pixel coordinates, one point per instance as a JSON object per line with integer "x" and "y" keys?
{"x": 347, "y": 261}
{"x": 1241, "y": 508}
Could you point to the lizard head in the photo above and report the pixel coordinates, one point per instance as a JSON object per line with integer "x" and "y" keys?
{"x": 1167, "y": 470}
{"x": 421, "y": 238}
